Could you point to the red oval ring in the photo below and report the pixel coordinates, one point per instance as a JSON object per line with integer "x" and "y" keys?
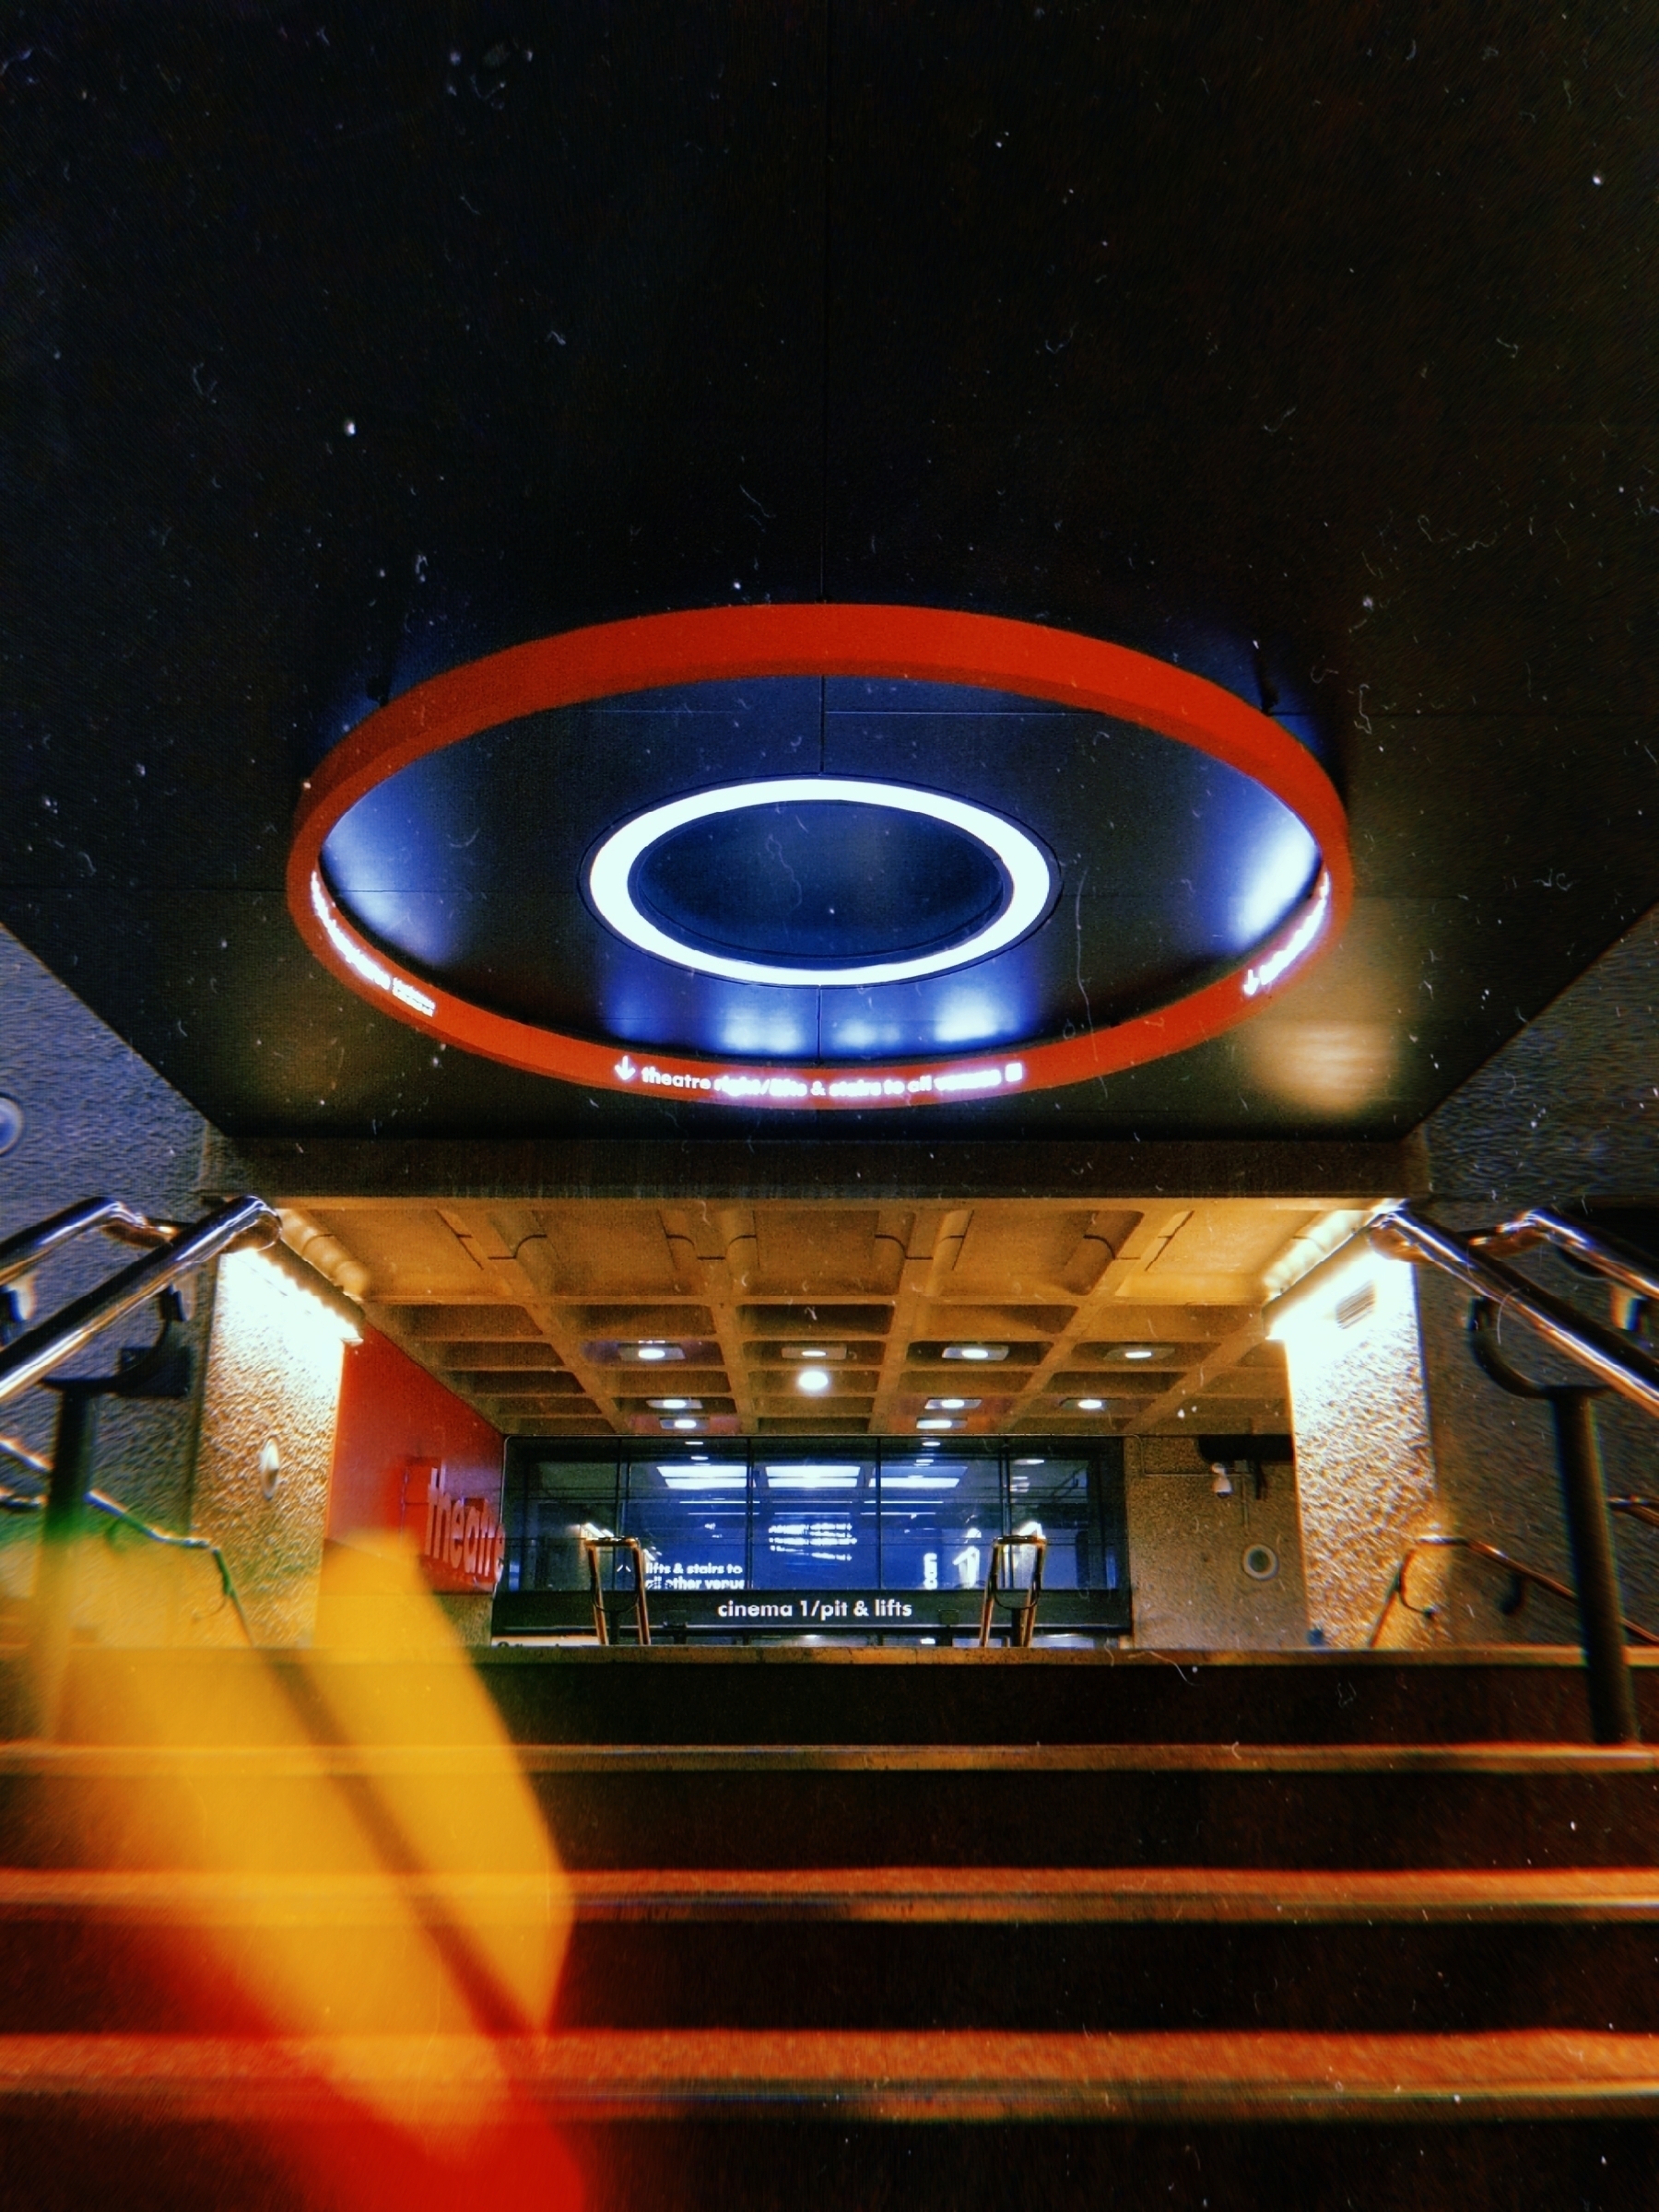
{"x": 931, "y": 644}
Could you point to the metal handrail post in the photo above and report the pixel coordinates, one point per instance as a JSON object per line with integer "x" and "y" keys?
{"x": 1590, "y": 1540}
{"x": 1589, "y": 1526}
{"x": 51, "y": 1615}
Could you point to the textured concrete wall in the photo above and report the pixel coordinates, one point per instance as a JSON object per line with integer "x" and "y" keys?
{"x": 1365, "y": 1463}
{"x": 1571, "y": 1107}
{"x": 1186, "y": 1552}
{"x": 273, "y": 1379}
{"x": 1568, "y": 1110}
{"x": 96, "y": 1119}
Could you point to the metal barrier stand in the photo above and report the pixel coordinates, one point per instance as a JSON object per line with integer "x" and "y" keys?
{"x": 592, "y": 1546}
{"x": 1019, "y": 1599}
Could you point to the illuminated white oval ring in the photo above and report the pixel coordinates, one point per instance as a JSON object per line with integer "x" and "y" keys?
{"x": 1030, "y": 872}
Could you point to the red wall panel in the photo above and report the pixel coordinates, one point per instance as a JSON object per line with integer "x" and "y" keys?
{"x": 408, "y": 1453}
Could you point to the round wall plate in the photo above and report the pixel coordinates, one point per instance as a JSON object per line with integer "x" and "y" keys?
{"x": 1260, "y": 1562}
{"x": 930, "y": 645}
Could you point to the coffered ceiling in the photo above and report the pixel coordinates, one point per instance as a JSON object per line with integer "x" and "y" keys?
{"x": 1016, "y": 1309}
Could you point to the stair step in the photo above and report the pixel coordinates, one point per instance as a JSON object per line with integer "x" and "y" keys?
{"x": 1013, "y": 1895}
{"x": 801, "y": 1695}
{"x": 1473, "y": 1806}
{"x": 116, "y": 1762}
{"x": 970, "y": 2076}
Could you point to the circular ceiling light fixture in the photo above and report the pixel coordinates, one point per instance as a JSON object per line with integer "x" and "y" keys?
{"x": 1013, "y": 869}
{"x": 814, "y": 1381}
{"x": 904, "y": 645}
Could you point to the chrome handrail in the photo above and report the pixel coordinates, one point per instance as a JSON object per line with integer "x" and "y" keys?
{"x": 1613, "y": 1358}
{"x": 1492, "y": 1557}
{"x": 113, "y": 1215}
{"x": 1605, "y": 1256}
{"x": 243, "y": 1222}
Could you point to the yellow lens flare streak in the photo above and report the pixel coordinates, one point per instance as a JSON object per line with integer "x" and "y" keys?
{"x": 384, "y": 1876}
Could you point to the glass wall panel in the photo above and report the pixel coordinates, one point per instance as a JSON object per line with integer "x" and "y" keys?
{"x": 691, "y": 1517}
{"x": 1055, "y": 1495}
{"x": 825, "y": 1519}
{"x": 555, "y": 1498}
{"x": 815, "y": 1523}
{"x": 939, "y": 1516}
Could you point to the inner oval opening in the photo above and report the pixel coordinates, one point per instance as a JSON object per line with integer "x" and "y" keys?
{"x": 819, "y": 883}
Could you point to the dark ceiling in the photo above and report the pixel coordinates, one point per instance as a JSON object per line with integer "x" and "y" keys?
{"x": 342, "y": 344}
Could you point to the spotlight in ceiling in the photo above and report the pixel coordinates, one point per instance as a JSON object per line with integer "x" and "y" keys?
{"x": 1137, "y": 1352}
{"x": 1086, "y": 1404}
{"x": 975, "y": 1351}
{"x": 675, "y": 1404}
{"x": 952, "y": 1404}
{"x": 684, "y": 1422}
{"x": 651, "y": 1353}
{"x": 938, "y": 1421}
{"x": 814, "y": 1381}
{"x": 815, "y": 1351}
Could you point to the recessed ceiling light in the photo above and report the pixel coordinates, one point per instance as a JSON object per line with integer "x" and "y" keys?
{"x": 1087, "y": 1405}
{"x": 1138, "y": 1351}
{"x": 684, "y": 1421}
{"x": 651, "y": 1352}
{"x": 952, "y": 1404}
{"x": 813, "y": 1380}
{"x": 675, "y": 1404}
{"x": 976, "y": 1351}
{"x": 815, "y": 1351}
{"x": 936, "y": 1423}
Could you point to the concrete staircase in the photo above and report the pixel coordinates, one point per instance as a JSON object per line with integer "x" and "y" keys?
{"x": 1196, "y": 1919}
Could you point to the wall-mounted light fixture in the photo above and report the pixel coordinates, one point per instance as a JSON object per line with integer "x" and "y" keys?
{"x": 277, "y": 1278}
